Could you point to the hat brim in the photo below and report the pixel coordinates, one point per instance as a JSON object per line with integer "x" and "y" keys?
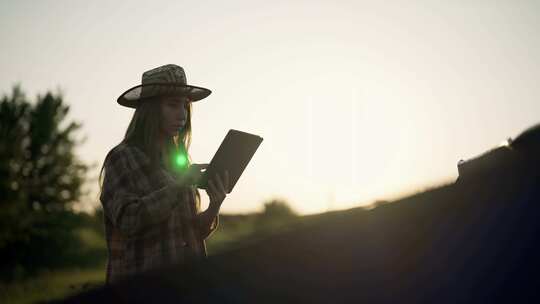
{"x": 132, "y": 97}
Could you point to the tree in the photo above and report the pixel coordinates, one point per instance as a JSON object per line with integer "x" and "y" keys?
{"x": 276, "y": 215}
{"x": 38, "y": 166}
{"x": 13, "y": 126}
{"x": 277, "y": 208}
{"x": 41, "y": 180}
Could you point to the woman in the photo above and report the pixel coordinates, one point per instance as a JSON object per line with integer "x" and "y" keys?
{"x": 149, "y": 196}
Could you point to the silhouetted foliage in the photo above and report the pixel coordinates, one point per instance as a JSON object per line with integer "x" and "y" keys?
{"x": 276, "y": 214}
{"x": 277, "y": 209}
{"x": 41, "y": 179}
{"x": 38, "y": 162}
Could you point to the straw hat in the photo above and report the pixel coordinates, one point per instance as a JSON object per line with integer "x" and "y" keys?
{"x": 166, "y": 80}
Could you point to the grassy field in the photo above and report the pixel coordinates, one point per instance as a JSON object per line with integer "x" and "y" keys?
{"x": 59, "y": 283}
{"x": 51, "y": 285}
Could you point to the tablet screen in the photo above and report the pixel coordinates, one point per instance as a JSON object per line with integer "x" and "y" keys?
{"x": 234, "y": 154}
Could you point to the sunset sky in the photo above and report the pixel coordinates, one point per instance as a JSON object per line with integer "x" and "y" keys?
{"x": 356, "y": 100}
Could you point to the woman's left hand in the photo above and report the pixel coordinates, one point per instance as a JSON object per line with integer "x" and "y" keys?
{"x": 217, "y": 188}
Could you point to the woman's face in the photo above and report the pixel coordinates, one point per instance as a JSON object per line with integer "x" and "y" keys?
{"x": 174, "y": 113}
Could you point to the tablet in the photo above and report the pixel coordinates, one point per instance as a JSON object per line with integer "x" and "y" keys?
{"x": 233, "y": 155}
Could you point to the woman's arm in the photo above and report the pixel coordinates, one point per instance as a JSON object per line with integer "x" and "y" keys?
{"x": 128, "y": 211}
{"x": 208, "y": 220}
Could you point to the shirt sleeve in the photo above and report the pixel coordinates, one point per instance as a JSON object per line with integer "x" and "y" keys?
{"x": 128, "y": 211}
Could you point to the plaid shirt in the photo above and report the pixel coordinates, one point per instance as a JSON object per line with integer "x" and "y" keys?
{"x": 149, "y": 222}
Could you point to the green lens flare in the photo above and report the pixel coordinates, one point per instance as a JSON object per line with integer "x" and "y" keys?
{"x": 181, "y": 160}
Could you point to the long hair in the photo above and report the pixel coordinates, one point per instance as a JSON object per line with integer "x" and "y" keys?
{"x": 143, "y": 132}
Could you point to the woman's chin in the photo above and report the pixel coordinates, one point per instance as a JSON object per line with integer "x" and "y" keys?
{"x": 173, "y": 132}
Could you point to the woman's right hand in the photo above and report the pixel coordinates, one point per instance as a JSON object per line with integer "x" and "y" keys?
{"x": 191, "y": 176}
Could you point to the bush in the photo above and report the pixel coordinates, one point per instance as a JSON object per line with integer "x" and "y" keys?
{"x": 276, "y": 215}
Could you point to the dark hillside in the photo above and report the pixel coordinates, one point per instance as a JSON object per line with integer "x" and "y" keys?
{"x": 471, "y": 241}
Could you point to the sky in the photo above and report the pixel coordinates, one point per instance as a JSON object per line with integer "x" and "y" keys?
{"x": 356, "y": 101}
